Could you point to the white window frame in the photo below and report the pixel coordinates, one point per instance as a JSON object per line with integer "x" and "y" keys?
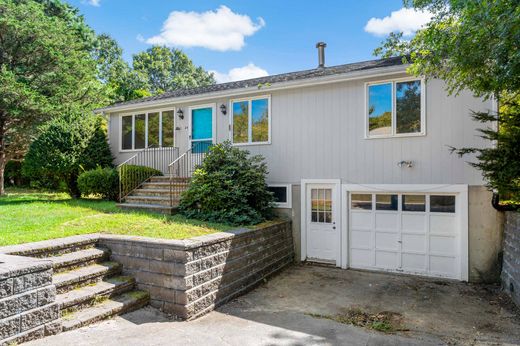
{"x": 250, "y": 128}
{"x": 133, "y": 114}
{"x": 394, "y": 133}
{"x": 288, "y": 203}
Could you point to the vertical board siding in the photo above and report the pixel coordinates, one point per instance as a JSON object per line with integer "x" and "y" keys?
{"x": 319, "y": 132}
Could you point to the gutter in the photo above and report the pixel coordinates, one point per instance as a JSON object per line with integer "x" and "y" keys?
{"x": 350, "y": 76}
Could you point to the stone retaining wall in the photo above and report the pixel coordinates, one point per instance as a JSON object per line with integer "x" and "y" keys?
{"x": 191, "y": 277}
{"x": 27, "y": 299}
{"x": 511, "y": 262}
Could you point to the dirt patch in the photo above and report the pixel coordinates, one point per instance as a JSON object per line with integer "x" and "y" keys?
{"x": 384, "y": 321}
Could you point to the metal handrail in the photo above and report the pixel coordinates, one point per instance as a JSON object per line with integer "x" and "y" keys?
{"x": 132, "y": 178}
{"x": 181, "y": 169}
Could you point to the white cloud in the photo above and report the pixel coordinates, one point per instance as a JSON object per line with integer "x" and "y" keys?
{"x": 240, "y": 73}
{"x": 96, "y": 3}
{"x": 406, "y": 20}
{"x": 219, "y": 30}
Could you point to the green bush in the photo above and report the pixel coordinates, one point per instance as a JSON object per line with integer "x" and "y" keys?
{"x": 103, "y": 182}
{"x": 65, "y": 147}
{"x": 13, "y": 174}
{"x": 229, "y": 187}
{"x": 132, "y": 176}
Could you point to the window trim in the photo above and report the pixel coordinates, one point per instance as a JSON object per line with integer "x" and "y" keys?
{"x": 288, "y": 204}
{"x": 250, "y": 108}
{"x": 394, "y": 133}
{"x": 133, "y": 114}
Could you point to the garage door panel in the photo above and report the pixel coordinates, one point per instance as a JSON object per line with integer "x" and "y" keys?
{"x": 413, "y": 222}
{"x": 414, "y": 262}
{"x": 444, "y": 224}
{"x": 413, "y": 243}
{"x": 445, "y": 266}
{"x": 387, "y": 241}
{"x": 361, "y": 220}
{"x": 387, "y": 260}
{"x": 442, "y": 245}
{"x": 361, "y": 239}
{"x": 361, "y": 258}
{"x": 387, "y": 222}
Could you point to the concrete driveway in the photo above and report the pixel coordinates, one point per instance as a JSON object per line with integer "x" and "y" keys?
{"x": 303, "y": 304}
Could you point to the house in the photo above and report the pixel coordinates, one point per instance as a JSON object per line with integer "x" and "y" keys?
{"x": 359, "y": 158}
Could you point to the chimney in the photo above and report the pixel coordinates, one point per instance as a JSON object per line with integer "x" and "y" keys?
{"x": 321, "y": 53}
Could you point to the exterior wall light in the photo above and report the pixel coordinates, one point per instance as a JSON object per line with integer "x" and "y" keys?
{"x": 223, "y": 109}
{"x": 180, "y": 114}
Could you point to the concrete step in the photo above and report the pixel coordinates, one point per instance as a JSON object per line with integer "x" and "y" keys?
{"x": 53, "y": 247}
{"x": 89, "y": 295}
{"x": 69, "y": 280}
{"x": 156, "y": 192}
{"x": 120, "y": 304}
{"x": 164, "y": 185}
{"x": 153, "y": 208}
{"x": 156, "y": 200}
{"x": 166, "y": 178}
{"x": 81, "y": 258}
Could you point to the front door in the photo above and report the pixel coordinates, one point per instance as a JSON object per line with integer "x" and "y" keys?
{"x": 322, "y": 228}
{"x": 201, "y": 129}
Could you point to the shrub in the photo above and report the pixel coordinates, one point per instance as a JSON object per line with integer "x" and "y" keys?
{"x": 100, "y": 181}
{"x": 229, "y": 187}
{"x": 65, "y": 147}
{"x": 132, "y": 176}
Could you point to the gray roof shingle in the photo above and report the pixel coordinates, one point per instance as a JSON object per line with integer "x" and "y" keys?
{"x": 284, "y": 77}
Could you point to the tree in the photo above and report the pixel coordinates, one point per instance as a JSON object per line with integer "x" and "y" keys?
{"x": 475, "y": 45}
{"x": 46, "y": 69}
{"x": 67, "y": 146}
{"x": 167, "y": 69}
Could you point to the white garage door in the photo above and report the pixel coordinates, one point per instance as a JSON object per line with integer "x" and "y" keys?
{"x": 415, "y": 233}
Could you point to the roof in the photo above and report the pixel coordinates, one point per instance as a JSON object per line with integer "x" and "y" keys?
{"x": 284, "y": 77}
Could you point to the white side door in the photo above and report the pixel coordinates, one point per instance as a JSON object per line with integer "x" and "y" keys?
{"x": 321, "y": 218}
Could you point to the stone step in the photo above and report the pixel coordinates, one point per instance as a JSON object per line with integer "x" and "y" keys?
{"x": 89, "y": 295}
{"x": 164, "y": 185}
{"x": 81, "y": 258}
{"x": 67, "y": 281}
{"x": 156, "y": 192}
{"x": 166, "y": 178}
{"x": 153, "y": 208}
{"x": 156, "y": 200}
{"x": 53, "y": 247}
{"x": 120, "y": 304}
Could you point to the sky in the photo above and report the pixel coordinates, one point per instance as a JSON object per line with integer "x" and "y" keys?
{"x": 240, "y": 39}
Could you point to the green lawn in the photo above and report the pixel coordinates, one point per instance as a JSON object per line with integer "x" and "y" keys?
{"x": 28, "y": 215}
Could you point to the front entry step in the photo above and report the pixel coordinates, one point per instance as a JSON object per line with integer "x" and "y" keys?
{"x": 123, "y": 303}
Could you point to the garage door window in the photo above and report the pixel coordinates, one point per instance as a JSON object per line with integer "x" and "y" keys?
{"x": 414, "y": 203}
{"x": 386, "y": 202}
{"x": 361, "y": 201}
{"x": 442, "y": 204}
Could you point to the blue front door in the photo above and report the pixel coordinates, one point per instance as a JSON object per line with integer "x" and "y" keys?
{"x": 201, "y": 129}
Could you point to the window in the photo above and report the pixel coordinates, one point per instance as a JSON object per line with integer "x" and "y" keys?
{"x": 442, "y": 204}
{"x": 414, "y": 203}
{"x": 321, "y": 205}
{"x": 282, "y": 195}
{"x": 395, "y": 108}
{"x": 361, "y": 201}
{"x": 386, "y": 202}
{"x": 144, "y": 130}
{"x": 251, "y": 121}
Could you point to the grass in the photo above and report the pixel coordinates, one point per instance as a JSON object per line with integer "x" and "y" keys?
{"x": 29, "y": 215}
{"x": 385, "y": 321}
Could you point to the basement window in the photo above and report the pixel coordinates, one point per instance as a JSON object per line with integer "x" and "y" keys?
{"x": 282, "y": 195}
